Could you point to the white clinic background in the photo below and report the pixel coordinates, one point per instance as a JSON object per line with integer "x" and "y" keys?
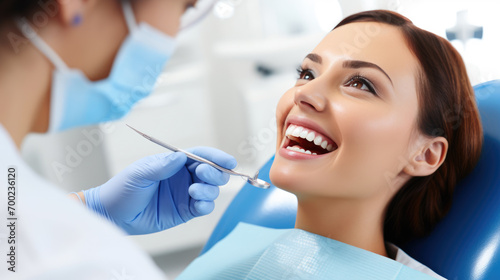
{"x": 221, "y": 88}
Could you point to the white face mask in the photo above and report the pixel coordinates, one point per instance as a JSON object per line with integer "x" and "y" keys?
{"x": 77, "y": 101}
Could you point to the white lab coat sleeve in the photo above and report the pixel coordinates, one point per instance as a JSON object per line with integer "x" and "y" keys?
{"x": 58, "y": 238}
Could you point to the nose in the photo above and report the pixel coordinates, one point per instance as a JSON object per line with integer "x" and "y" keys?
{"x": 309, "y": 97}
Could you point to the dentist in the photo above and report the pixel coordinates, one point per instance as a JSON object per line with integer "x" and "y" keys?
{"x": 71, "y": 63}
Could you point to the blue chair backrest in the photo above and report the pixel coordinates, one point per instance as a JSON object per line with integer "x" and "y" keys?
{"x": 465, "y": 245}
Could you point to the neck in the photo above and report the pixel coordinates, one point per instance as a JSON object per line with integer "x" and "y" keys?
{"x": 25, "y": 77}
{"x": 355, "y": 222}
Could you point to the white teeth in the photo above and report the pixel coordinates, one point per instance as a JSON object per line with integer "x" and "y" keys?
{"x": 318, "y": 140}
{"x": 304, "y": 133}
{"x": 296, "y": 132}
{"x": 310, "y": 136}
{"x": 297, "y": 149}
{"x": 323, "y": 144}
{"x": 294, "y": 149}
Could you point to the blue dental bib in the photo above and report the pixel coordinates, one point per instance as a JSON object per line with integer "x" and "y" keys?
{"x": 254, "y": 252}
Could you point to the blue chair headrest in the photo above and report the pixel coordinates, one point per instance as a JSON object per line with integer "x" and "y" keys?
{"x": 465, "y": 245}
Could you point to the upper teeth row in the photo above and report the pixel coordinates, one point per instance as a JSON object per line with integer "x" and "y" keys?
{"x": 304, "y": 133}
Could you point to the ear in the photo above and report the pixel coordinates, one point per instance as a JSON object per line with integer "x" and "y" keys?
{"x": 429, "y": 158}
{"x": 71, "y": 11}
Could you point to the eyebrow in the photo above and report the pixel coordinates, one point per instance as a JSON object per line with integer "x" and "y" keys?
{"x": 355, "y": 64}
{"x": 315, "y": 58}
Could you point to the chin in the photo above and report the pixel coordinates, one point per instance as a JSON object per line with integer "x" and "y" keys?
{"x": 285, "y": 176}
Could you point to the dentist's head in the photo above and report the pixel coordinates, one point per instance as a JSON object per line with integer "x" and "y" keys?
{"x": 67, "y": 63}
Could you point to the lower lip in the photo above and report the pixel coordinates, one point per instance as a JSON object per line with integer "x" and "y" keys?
{"x": 289, "y": 154}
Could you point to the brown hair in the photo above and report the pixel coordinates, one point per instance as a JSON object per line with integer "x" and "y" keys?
{"x": 17, "y": 8}
{"x": 447, "y": 108}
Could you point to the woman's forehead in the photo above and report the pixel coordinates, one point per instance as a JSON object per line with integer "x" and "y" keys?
{"x": 377, "y": 43}
{"x": 374, "y": 42}
{"x": 376, "y": 46}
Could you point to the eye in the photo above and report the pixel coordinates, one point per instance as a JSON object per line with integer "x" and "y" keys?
{"x": 305, "y": 74}
{"x": 361, "y": 83}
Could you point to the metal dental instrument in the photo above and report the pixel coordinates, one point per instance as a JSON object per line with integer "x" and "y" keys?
{"x": 254, "y": 181}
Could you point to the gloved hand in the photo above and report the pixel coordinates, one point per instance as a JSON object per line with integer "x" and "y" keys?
{"x": 161, "y": 191}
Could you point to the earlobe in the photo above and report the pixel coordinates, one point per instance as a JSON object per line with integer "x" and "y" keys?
{"x": 77, "y": 19}
{"x": 71, "y": 12}
{"x": 429, "y": 158}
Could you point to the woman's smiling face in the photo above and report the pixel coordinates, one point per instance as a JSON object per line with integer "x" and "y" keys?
{"x": 348, "y": 126}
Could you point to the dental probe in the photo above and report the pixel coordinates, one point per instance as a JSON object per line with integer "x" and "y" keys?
{"x": 254, "y": 181}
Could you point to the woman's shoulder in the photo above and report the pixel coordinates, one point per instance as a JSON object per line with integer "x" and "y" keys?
{"x": 402, "y": 257}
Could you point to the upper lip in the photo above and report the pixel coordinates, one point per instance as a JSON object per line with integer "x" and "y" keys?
{"x": 307, "y": 123}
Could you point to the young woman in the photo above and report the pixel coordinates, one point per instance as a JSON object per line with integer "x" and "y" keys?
{"x": 372, "y": 139}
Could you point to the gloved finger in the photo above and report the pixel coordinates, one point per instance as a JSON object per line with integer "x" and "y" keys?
{"x": 158, "y": 167}
{"x": 201, "y": 207}
{"x": 192, "y": 170}
{"x": 203, "y": 191}
{"x": 219, "y": 157}
{"x": 210, "y": 175}
{"x": 192, "y": 167}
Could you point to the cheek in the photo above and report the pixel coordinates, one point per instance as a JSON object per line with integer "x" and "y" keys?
{"x": 285, "y": 104}
{"x": 375, "y": 143}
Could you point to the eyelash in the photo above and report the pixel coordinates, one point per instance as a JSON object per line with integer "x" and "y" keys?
{"x": 356, "y": 77}
{"x": 301, "y": 72}
{"x": 365, "y": 81}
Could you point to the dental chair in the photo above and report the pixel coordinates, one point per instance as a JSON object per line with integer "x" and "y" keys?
{"x": 464, "y": 245}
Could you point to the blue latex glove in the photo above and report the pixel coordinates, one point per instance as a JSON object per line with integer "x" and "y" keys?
{"x": 161, "y": 191}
